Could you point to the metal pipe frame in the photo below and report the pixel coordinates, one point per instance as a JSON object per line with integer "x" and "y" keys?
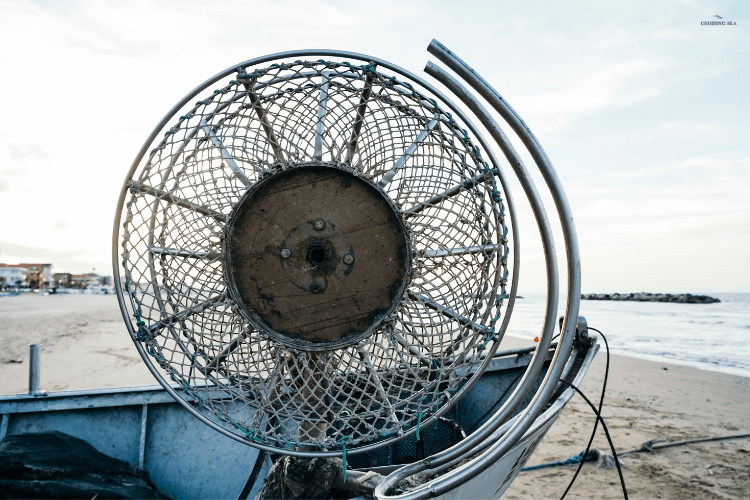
{"x": 532, "y": 411}
{"x": 539, "y": 354}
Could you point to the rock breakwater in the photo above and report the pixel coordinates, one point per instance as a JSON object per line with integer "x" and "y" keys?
{"x": 681, "y": 298}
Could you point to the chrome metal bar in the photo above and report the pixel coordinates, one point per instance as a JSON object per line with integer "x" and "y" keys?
{"x": 359, "y": 120}
{"x": 277, "y": 151}
{"x": 322, "y": 105}
{"x": 431, "y": 304}
{"x": 34, "y": 369}
{"x": 438, "y": 198}
{"x": 412, "y": 349}
{"x": 545, "y": 231}
{"x": 401, "y": 340}
{"x": 142, "y": 442}
{"x": 174, "y": 200}
{"x": 432, "y": 254}
{"x": 365, "y": 356}
{"x": 196, "y": 309}
{"x": 388, "y": 177}
{"x": 214, "y": 363}
{"x": 549, "y": 384}
{"x": 271, "y": 385}
{"x": 187, "y": 254}
{"x": 236, "y": 170}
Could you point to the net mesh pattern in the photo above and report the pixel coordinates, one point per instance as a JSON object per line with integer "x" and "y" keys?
{"x": 173, "y": 221}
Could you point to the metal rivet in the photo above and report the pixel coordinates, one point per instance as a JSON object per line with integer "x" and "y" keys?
{"x": 315, "y": 288}
{"x": 348, "y": 259}
{"x": 286, "y": 253}
{"x": 319, "y": 224}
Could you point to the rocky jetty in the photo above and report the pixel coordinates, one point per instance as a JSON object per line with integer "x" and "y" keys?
{"x": 681, "y": 298}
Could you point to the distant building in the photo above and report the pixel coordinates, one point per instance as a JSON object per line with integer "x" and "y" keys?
{"x": 12, "y": 276}
{"x": 25, "y": 275}
{"x": 62, "y": 280}
{"x": 38, "y": 275}
{"x": 88, "y": 280}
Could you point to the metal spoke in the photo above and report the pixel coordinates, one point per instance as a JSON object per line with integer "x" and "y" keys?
{"x": 272, "y": 381}
{"x": 388, "y": 177}
{"x": 365, "y": 356}
{"x": 431, "y": 304}
{"x": 187, "y": 254}
{"x": 213, "y": 364}
{"x": 266, "y": 125}
{"x": 412, "y": 349}
{"x": 361, "y": 110}
{"x": 439, "y": 198}
{"x": 174, "y": 318}
{"x": 236, "y": 170}
{"x": 174, "y": 200}
{"x": 433, "y": 254}
{"x": 322, "y": 104}
{"x": 404, "y": 343}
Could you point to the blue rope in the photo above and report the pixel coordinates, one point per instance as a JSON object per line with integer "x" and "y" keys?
{"x": 419, "y": 421}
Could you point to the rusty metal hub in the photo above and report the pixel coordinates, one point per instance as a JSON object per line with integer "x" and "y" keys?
{"x": 316, "y": 256}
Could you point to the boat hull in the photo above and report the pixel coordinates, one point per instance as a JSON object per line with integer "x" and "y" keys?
{"x": 143, "y": 425}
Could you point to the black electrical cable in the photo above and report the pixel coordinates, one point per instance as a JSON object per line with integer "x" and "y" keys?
{"x": 606, "y": 431}
{"x": 596, "y": 423}
{"x": 253, "y": 475}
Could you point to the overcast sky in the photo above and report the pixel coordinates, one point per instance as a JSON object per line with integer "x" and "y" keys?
{"x": 644, "y": 113}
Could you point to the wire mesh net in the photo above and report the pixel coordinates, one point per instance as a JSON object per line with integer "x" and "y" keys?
{"x": 174, "y": 219}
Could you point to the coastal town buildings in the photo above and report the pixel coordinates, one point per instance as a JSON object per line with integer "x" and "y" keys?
{"x": 39, "y": 277}
{"x": 26, "y": 275}
{"x": 12, "y": 276}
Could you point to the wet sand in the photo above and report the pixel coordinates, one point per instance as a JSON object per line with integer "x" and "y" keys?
{"x": 84, "y": 344}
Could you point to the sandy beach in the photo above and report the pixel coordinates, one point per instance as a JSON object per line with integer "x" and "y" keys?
{"x": 84, "y": 344}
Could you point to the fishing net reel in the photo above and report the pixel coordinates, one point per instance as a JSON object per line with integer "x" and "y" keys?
{"x": 312, "y": 253}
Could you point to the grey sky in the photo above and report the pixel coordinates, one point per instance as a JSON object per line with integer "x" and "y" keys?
{"x": 643, "y": 111}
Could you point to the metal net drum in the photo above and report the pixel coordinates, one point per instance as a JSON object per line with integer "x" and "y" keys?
{"x": 313, "y": 256}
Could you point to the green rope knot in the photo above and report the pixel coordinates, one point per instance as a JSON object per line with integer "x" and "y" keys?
{"x": 419, "y": 422}
{"x": 343, "y": 454}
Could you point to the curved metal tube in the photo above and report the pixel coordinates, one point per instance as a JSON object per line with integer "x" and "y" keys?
{"x": 573, "y": 257}
{"x": 545, "y": 167}
{"x": 543, "y": 223}
{"x": 529, "y": 377}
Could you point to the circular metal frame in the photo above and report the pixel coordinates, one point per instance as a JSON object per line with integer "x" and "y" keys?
{"x": 496, "y": 170}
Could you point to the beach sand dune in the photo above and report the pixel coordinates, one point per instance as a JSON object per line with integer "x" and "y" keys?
{"x": 84, "y": 345}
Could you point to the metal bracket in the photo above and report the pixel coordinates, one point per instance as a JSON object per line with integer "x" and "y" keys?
{"x": 582, "y": 333}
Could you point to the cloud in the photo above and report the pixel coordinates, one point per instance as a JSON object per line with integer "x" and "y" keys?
{"x": 590, "y": 93}
{"x": 31, "y": 152}
{"x": 86, "y": 82}
{"x": 729, "y": 161}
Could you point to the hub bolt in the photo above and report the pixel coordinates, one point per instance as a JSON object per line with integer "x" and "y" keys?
{"x": 286, "y": 253}
{"x": 348, "y": 259}
{"x": 315, "y": 288}
{"x": 319, "y": 224}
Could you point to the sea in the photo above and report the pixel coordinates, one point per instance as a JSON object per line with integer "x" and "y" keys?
{"x": 708, "y": 336}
